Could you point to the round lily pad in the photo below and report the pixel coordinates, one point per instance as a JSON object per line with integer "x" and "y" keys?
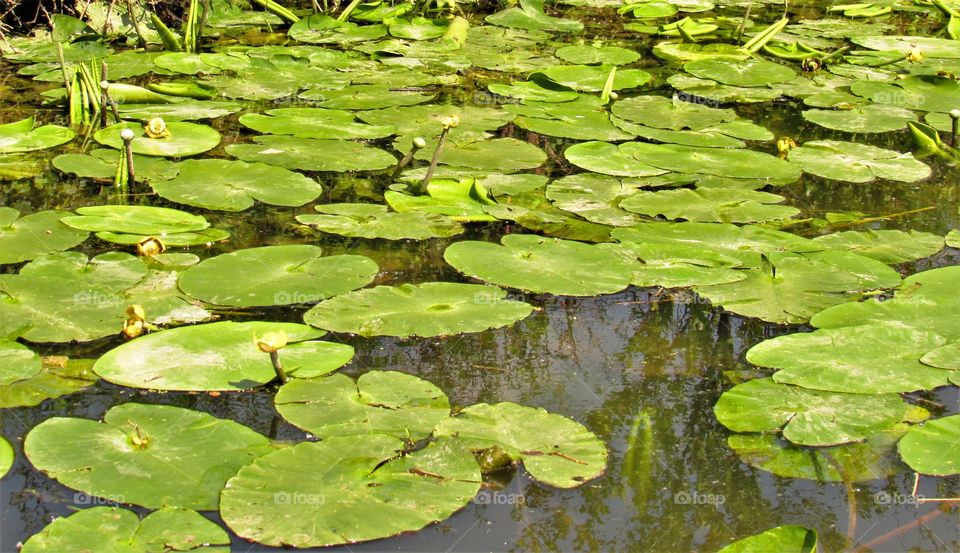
{"x": 17, "y": 362}
{"x": 853, "y": 162}
{"x": 218, "y": 356}
{"x": 677, "y": 265}
{"x": 530, "y": 91}
{"x": 179, "y": 239}
{"x": 428, "y": 309}
{"x": 20, "y": 136}
{"x": 57, "y": 376}
{"x": 808, "y": 417}
{"x": 313, "y": 155}
{"x": 232, "y": 185}
{"x": 135, "y": 219}
{"x": 933, "y": 447}
{"x": 609, "y": 159}
{"x": 553, "y": 449}
{"x": 180, "y": 111}
{"x": 102, "y": 164}
{"x": 782, "y": 538}
{"x": 717, "y": 205}
{"x": 751, "y": 72}
{"x": 283, "y": 499}
{"x": 588, "y": 55}
{"x": 181, "y": 458}
{"x": 722, "y": 162}
{"x": 186, "y": 139}
{"x": 379, "y": 402}
{"x": 365, "y": 96}
{"x": 871, "y": 118}
{"x": 888, "y": 246}
{"x": 594, "y": 197}
{"x": 377, "y": 221}
{"x": 583, "y": 119}
{"x": 276, "y": 275}
{"x": 592, "y": 78}
{"x": 314, "y": 123}
{"x": 667, "y": 113}
{"x": 7, "y": 456}
{"x": 36, "y": 234}
{"x": 500, "y": 154}
{"x": 540, "y": 264}
{"x": 120, "y": 530}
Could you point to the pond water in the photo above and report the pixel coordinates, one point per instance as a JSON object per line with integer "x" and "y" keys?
{"x": 641, "y": 368}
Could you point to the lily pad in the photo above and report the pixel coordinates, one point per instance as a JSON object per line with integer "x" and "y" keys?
{"x": 923, "y": 92}
{"x": 22, "y": 137}
{"x": 36, "y": 234}
{"x": 853, "y": 162}
{"x": 323, "y": 29}
{"x": 377, "y": 221}
{"x": 786, "y": 539}
{"x": 594, "y": 197}
{"x": 871, "y": 118}
{"x": 101, "y": 164}
{"x": 218, "y": 356}
{"x": 460, "y": 199}
{"x": 590, "y": 55}
{"x": 719, "y": 205}
{"x": 738, "y": 163}
{"x": 933, "y": 447}
{"x": 499, "y": 154}
{"x": 554, "y": 449}
{"x": 182, "y": 458}
{"x": 379, "y": 402}
{"x": 57, "y": 376}
{"x": 747, "y": 73}
{"x": 181, "y": 239}
{"x": 609, "y": 159}
{"x": 540, "y": 264}
{"x": 530, "y": 16}
{"x": 282, "y": 499}
{"x": 276, "y": 275}
{"x": 115, "y": 529}
{"x": 592, "y": 78}
{"x": 7, "y": 456}
{"x": 583, "y": 119}
{"x": 313, "y": 155}
{"x": 427, "y": 309}
{"x": 887, "y": 246}
{"x": 186, "y": 139}
{"x": 135, "y": 219}
{"x": 677, "y": 265}
{"x": 365, "y": 96}
{"x": 17, "y": 362}
{"x": 931, "y": 47}
{"x": 807, "y": 417}
{"x": 180, "y": 111}
{"x": 314, "y": 123}
{"x": 529, "y": 91}
{"x": 666, "y": 113}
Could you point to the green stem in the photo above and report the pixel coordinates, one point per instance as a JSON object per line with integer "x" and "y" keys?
{"x": 128, "y": 150}
{"x": 405, "y": 161}
{"x": 345, "y": 14}
{"x": 281, "y": 374}
{"x": 435, "y": 159}
{"x": 141, "y": 35}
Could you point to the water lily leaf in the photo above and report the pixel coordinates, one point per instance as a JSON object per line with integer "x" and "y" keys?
{"x": 426, "y": 121}
{"x": 265, "y": 501}
{"x": 690, "y": 51}
{"x": 869, "y": 460}
{"x": 7, "y": 456}
{"x": 853, "y": 162}
{"x": 719, "y": 205}
{"x": 751, "y": 72}
{"x": 180, "y": 239}
{"x": 313, "y": 123}
{"x": 529, "y": 91}
{"x": 664, "y": 113}
{"x": 418, "y": 28}
{"x": 807, "y": 417}
{"x": 376, "y": 221}
{"x": 20, "y": 136}
{"x": 115, "y": 529}
{"x": 791, "y": 288}
{"x": 609, "y": 159}
{"x": 582, "y": 54}
{"x": 583, "y": 119}
{"x": 795, "y": 539}
{"x": 592, "y": 78}
{"x": 530, "y": 16}
{"x": 135, "y": 219}
{"x": 231, "y": 185}
{"x": 848, "y": 359}
{"x": 540, "y": 264}
{"x": 677, "y": 265}
{"x": 227, "y": 353}
{"x": 713, "y": 161}
{"x": 944, "y": 357}
{"x": 871, "y": 118}
{"x": 379, "y": 402}
{"x": 186, "y": 139}
{"x": 461, "y": 200}
{"x": 182, "y": 458}
{"x": 180, "y": 111}
{"x": 554, "y": 449}
{"x": 886, "y": 246}
{"x": 499, "y": 154}
{"x": 594, "y": 197}
{"x": 276, "y": 275}
{"x": 36, "y": 234}
{"x": 933, "y": 447}
{"x": 931, "y": 47}
{"x": 717, "y": 93}
{"x": 365, "y": 96}
{"x": 323, "y": 29}
{"x": 427, "y": 309}
{"x": 186, "y": 63}
{"x": 923, "y": 92}
{"x": 953, "y": 238}
{"x": 101, "y": 164}
{"x": 17, "y": 362}
{"x": 313, "y": 155}
{"x": 704, "y": 138}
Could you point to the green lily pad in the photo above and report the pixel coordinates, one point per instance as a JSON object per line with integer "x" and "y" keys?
{"x": 499, "y": 154}
{"x": 20, "y": 166}
{"x": 666, "y": 113}
{"x": 953, "y": 238}
{"x": 933, "y": 447}
{"x": 218, "y": 356}
{"x": 717, "y": 93}
{"x": 583, "y": 119}
{"x": 944, "y": 357}
{"x": 540, "y": 264}
{"x": 114, "y": 529}
{"x": 746, "y": 73}
{"x": 186, "y": 139}
{"x": 596, "y": 198}
{"x": 377, "y": 221}
{"x": 7, "y": 456}
{"x": 22, "y": 137}
{"x": 690, "y": 51}
{"x": 365, "y": 96}
{"x": 461, "y": 200}
{"x": 848, "y": 359}
{"x": 314, "y": 123}
{"x": 807, "y": 417}
{"x": 182, "y": 458}
{"x": 853, "y": 162}
{"x": 721, "y": 162}
{"x": 17, "y": 362}
{"x": 323, "y": 29}
{"x": 676, "y": 265}
{"x": 24, "y": 238}
{"x": 922, "y": 92}
{"x": 609, "y": 159}
{"x": 180, "y": 239}
{"x": 530, "y": 16}
{"x": 719, "y": 205}
{"x": 180, "y": 111}
{"x": 789, "y": 538}
{"x": 57, "y": 376}
{"x": 231, "y": 185}
{"x": 592, "y": 55}
{"x": 379, "y": 402}
{"x": 282, "y": 499}
{"x": 931, "y": 47}
{"x": 101, "y": 164}
{"x": 426, "y": 121}
{"x": 529, "y": 91}
{"x": 871, "y": 118}
{"x": 313, "y": 155}
{"x": 135, "y": 219}
{"x": 427, "y": 309}
{"x": 276, "y": 275}
{"x": 554, "y": 449}
{"x": 592, "y": 78}
{"x": 886, "y": 246}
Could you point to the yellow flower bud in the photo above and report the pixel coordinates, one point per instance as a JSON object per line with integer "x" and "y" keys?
{"x": 784, "y": 145}
{"x": 150, "y": 246}
{"x": 915, "y": 55}
{"x": 272, "y": 341}
{"x": 450, "y": 121}
{"x": 156, "y": 128}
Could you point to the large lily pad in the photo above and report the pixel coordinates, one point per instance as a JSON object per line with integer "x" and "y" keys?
{"x": 313, "y": 155}
{"x": 785, "y": 539}
{"x": 530, "y": 16}
{"x": 677, "y": 265}
{"x": 718, "y": 205}
{"x": 283, "y": 499}
{"x": 540, "y": 264}
{"x": 590, "y": 55}
{"x": 17, "y": 362}
{"x": 887, "y": 246}
{"x": 377, "y": 221}
{"x": 871, "y": 118}
{"x": 553, "y": 449}
{"x": 232, "y": 185}
{"x": 314, "y": 123}
{"x": 22, "y": 137}
{"x": 751, "y": 72}
{"x": 500, "y": 154}
{"x": 666, "y": 113}
{"x": 923, "y": 92}
{"x": 365, "y": 96}
{"x": 931, "y": 47}
{"x": 853, "y": 162}
{"x": 594, "y": 197}
{"x": 428, "y": 309}
{"x": 934, "y": 447}
{"x": 218, "y": 356}
{"x": 120, "y": 530}
{"x": 379, "y": 402}
{"x": 149, "y": 455}
{"x": 323, "y": 29}
{"x": 807, "y": 417}
{"x": 722, "y": 162}
{"x": 186, "y": 139}
{"x": 135, "y": 219}
{"x": 101, "y": 164}
{"x": 592, "y": 78}
{"x": 585, "y": 118}
{"x": 36, "y": 234}
{"x": 276, "y": 275}
{"x": 57, "y": 376}
{"x": 609, "y": 159}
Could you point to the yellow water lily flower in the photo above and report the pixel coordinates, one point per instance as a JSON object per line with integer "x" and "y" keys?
{"x": 156, "y": 128}
{"x": 271, "y": 342}
{"x": 150, "y": 246}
